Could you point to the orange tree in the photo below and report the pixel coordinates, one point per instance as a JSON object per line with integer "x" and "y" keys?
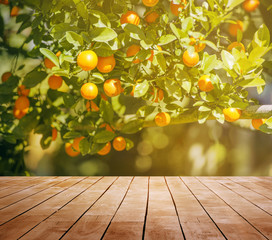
{"x": 177, "y": 61}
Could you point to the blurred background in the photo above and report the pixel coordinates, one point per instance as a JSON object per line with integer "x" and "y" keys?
{"x": 190, "y": 149}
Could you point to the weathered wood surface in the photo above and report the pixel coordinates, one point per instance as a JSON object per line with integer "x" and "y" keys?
{"x": 135, "y": 208}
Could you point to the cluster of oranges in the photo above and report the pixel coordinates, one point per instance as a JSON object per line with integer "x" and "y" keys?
{"x": 119, "y": 144}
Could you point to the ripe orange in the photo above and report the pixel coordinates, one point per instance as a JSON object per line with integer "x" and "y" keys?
{"x": 105, "y": 150}
{"x": 152, "y": 53}
{"x": 48, "y": 63}
{"x": 233, "y": 28}
{"x": 19, "y": 113}
{"x": 151, "y": 17}
{"x": 112, "y": 87}
{"x": 132, "y": 51}
{"x": 6, "y": 76}
{"x": 54, "y": 134}
{"x": 205, "y": 83}
{"x": 87, "y": 60}
{"x": 238, "y": 45}
{"x": 232, "y": 114}
{"x": 22, "y": 103}
{"x": 89, "y": 91}
{"x": 106, "y": 64}
{"x": 190, "y": 59}
{"x": 23, "y": 91}
{"x": 132, "y": 91}
{"x": 150, "y": 3}
{"x": 130, "y": 17}
{"x": 198, "y": 47}
{"x": 5, "y": 2}
{"x": 162, "y": 119}
{"x": 107, "y": 127}
{"x": 256, "y": 123}
{"x": 76, "y": 142}
{"x": 159, "y": 95}
{"x": 175, "y": 7}
{"x": 58, "y": 53}
{"x": 119, "y": 143}
{"x": 70, "y": 151}
{"x": 14, "y": 11}
{"x": 55, "y": 82}
{"x": 251, "y": 5}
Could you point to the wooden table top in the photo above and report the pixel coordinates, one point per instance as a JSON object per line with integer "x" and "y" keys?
{"x": 135, "y": 208}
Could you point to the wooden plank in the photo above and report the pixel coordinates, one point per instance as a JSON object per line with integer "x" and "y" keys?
{"x": 16, "y": 197}
{"x": 22, "y": 185}
{"x": 162, "y": 220}
{"x": 94, "y": 222}
{"x": 231, "y": 224}
{"x": 264, "y": 182}
{"x": 59, "y": 223}
{"x": 26, "y": 204}
{"x": 254, "y": 215}
{"x": 253, "y": 186}
{"x": 23, "y": 223}
{"x": 129, "y": 220}
{"x": 194, "y": 220}
{"x": 13, "y": 182}
{"x": 255, "y": 198}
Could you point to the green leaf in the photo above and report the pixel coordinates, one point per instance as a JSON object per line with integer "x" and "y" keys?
{"x": 71, "y": 135}
{"x": 103, "y": 34}
{"x": 74, "y": 38}
{"x": 261, "y": 37}
{"x": 208, "y": 63}
{"x": 129, "y": 144}
{"x": 134, "y": 32}
{"x": 106, "y": 111}
{"x": 132, "y": 126}
{"x": 165, "y": 39}
{"x": 141, "y": 89}
{"x": 187, "y": 24}
{"x": 227, "y": 59}
{"x": 68, "y": 100}
{"x": 81, "y": 9}
{"x": 50, "y": 55}
{"x": 203, "y": 116}
{"x": 233, "y": 3}
{"x": 33, "y": 78}
{"x": 103, "y": 136}
{"x": 252, "y": 83}
{"x": 84, "y": 146}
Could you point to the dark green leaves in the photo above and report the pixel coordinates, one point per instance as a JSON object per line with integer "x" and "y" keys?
{"x": 106, "y": 111}
{"x": 103, "y": 34}
{"x": 132, "y": 126}
{"x": 103, "y": 136}
{"x": 33, "y": 78}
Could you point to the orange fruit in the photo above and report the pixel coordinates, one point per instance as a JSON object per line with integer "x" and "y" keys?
{"x": 150, "y": 3}
{"x": 132, "y": 91}
{"x": 107, "y": 127}
{"x": 89, "y": 91}
{"x": 19, "y": 113}
{"x": 48, "y": 63}
{"x": 87, "y": 60}
{"x": 251, "y": 5}
{"x": 190, "y": 59}
{"x": 238, "y": 45}
{"x": 112, "y": 87}
{"x": 205, "y": 83}
{"x": 175, "y": 7}
{"x": 159, "y": 95}
{"x": 106, "y": 64}
{"x": 151, "y": 17}
{"x": 55, "y": 82}
{"x": 23, "y": 91}
{"x": 14, "y": 11}
{"x": 256, "y": 123}
{"x": 105, "y": 150}
{"x": 233, "y": 28}
{"x": 6, "y": 76}
{"x": 54, "y": 134}
{"x": 5, "y": 2}
{"x": 58, "y": 53}
{"x": 91, "y": 106}
{"x": 70, "y": 151}
{"x": 103, "y": 96}
{"x": 130, "y": 17}
{"x": 232, "y": 114}
{"x": 132, "y": 51}
{"x": 162, "y": 119}
{"x": 22, "y": 103}
{"x": 198, "y": 47}
{"x": 119, "y": 143}
{"x": 76, "y": 142}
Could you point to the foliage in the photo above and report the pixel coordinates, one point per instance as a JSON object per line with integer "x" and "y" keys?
{"x": 72, "y": 26}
